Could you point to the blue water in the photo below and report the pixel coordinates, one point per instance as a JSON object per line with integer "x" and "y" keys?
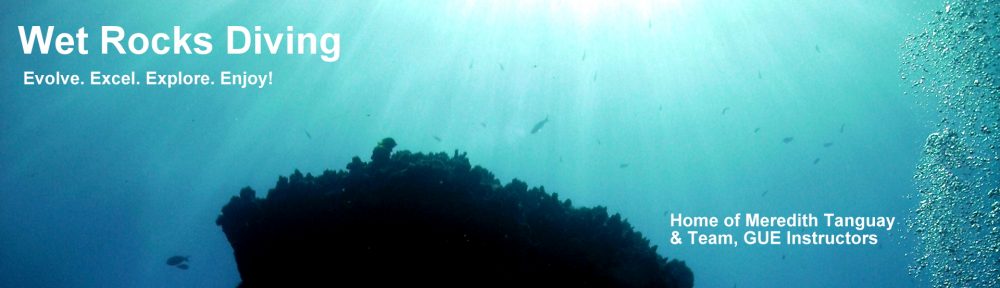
{"x": 99, "y": 185}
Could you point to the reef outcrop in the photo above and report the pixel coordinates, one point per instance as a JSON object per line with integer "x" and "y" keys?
{"x": 411, "y": 218}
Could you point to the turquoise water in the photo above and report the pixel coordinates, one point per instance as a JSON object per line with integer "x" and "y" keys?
{"x": 653, "y": 107}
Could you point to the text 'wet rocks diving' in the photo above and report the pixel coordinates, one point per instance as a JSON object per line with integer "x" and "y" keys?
{"x": 115, "y": 40}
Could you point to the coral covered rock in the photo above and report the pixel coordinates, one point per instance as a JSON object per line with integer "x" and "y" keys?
{"x": 405, "y": 219}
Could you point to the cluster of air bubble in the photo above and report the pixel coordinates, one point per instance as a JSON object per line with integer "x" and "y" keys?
{"x": 952, "y": 67}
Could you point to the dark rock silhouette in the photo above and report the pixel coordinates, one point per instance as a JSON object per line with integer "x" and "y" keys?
{"x": 411, "y": 218}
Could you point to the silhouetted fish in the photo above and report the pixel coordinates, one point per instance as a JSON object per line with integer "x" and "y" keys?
{"x": 764, "y": 193}
{"x": 595, "y": 77}
{"x": 788, "y": 140}
{"x": 584, "y": 56}
{"x": 755, "y": 130}
{"x": 501, "y": 66}
{"x": 816, "y": 161}
{"x": 183, "y": 266}
{"x": 827, "y": 144}
{"x": 482, "y": 124}
{"x": 842, "y": 128}
{"x": 539, "y": 125}
{"x": 759, "y": 76}
{"x": 310, "y": 136}
{"x": 623, "y": 165}
{"x": 437, "y": 138}
{"x": 175, "y": 260}
{"x": 650, "y": 25}
{"x": 724, "y": 110}
{"x": 470, "y": 63}
{"x": 817, "y": 48}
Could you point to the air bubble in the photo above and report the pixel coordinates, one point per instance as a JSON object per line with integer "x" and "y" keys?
{"x": 957, "y": 218}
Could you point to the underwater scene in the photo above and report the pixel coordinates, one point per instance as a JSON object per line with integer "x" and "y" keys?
{"x": 523, "y": 143}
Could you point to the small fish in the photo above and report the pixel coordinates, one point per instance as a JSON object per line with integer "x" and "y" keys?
{"x": 827, "y": 144}
{"x": 623, "y": 165}
{"x": 437, "y": 138}
{"x": 755, "y": 130}
{"x": 501, "y": 66}
{"x": 817, "y": 48}
{"x": 724, "y": 110}
{"x": 584, "y": 57}
{"x": 816, "y": 161}
{"x": 759, "y": 76}
{"x": 650, "y": 25}
{"x": 539, "y": 125}
{"x": 598, "y": 141}
{"x": 534, "y": 66}
{"x": 482, "y": 124}
{"x": 183, "y": 266}
{"x": 788, "y": 140}
{"x": 368, "y": 115}
{"x": 595, "y": 77}
{"x": 310, "y": 136}
{"x": 782, "y": 256}
{"x": 764, "y": 193}
{"x": 175, "y": 260}
{"x": 471, "y": 62}
{"x": 842, "y": 128}
{"x": 661, "y": 107}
